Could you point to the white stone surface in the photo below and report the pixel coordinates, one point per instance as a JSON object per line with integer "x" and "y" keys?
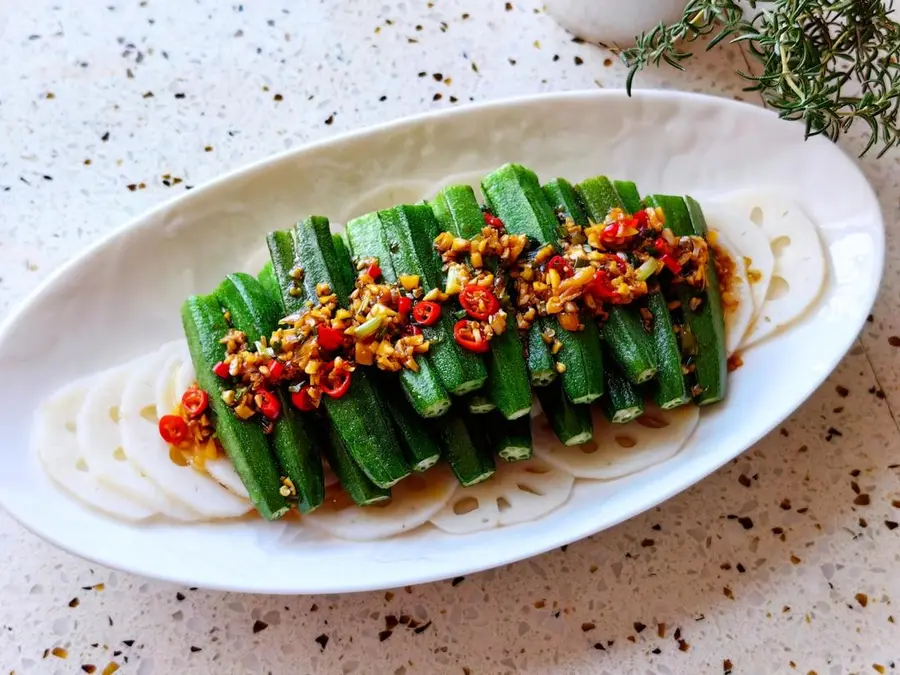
{"x": 777, "y": 563}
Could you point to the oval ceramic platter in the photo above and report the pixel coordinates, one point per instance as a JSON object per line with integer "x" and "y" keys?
{"x": 121, "y": 299}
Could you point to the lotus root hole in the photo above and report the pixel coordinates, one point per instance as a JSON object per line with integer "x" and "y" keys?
{"x": 779, "y": 244}
{"x": 530, "y": 490}
{"x": 626, "y": 441}
{"x": 148, "y": 412}
{"x": 652, "y": 422}
{"x": 503, "y": 504}
{"x": 589, "y": 448}
{"x": 778, "y": 288}
{"x": 114, "y": 414}
{"x": 465, "y": 505}
{"x": 119, "y": 454}
{"x": 756, "y": 215}
{"x": 537, "y": 469}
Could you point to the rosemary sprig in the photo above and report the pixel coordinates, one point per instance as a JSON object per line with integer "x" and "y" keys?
{"x": 828, "y": 63}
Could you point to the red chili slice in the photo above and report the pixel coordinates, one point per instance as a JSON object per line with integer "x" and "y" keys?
{"x": 641, "y": 219}
{"x": 561, "y": 265}
{"x": 493, "y": 221}
{"x": 329, "y": 338}
{"x": 671, "y": 263}
{"x": 600, "y": 286}
{"x": 269, "y": 405}
{"x": 221, "y": 369}
{"x": 610, "y": 232}
{"x": 335, "y": 383}
{"x": 470, "y": 335}
{"x": 478, "y": 302}
{"x": 173, "y": 429}
{"x": 276, "y": 369}
{"x": 195, "y": 402}
{"x": 415, "y": 330}
{"x": 302, "y": 400}
{"x": 404, "y": 304}
{"x": 426, "y": 312}
{"x": 374, "y": 271}
{"x": 661, "y": 245}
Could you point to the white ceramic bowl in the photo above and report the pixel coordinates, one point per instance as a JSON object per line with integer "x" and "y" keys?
{"x": 613, "y": 21}
{"x": 121, "y": 298}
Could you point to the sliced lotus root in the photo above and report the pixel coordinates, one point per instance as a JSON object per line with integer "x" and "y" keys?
{"x": 518, "y": 492}
{"x": 413, "y": 501}
{"x": 621, "y": 449}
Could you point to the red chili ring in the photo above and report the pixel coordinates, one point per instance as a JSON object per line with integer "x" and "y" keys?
{"x": 426, "y": 312}
{"x": 464, "y": 332}
{"x": 173, "y": 429}
{"x": 195, "y": 402}
{"x": 478, "y": 302}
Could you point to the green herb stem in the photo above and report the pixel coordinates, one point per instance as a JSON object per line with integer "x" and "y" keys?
{"x": 828, "y": 63}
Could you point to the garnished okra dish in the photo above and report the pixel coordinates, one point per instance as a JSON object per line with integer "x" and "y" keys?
{"x": 458, "y": 363}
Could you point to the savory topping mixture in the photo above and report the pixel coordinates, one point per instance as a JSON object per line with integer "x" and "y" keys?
{"x": 316, "y": 350}
{"x": 190, "y": 431}
{"x": 727, "y": 275}
{"x": 477, "y": 272}
{"x": 378, "y": 322}
{"x": 608, "y": 263}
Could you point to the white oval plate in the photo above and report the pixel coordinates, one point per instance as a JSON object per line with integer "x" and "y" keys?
{"x": 121, "y": 298}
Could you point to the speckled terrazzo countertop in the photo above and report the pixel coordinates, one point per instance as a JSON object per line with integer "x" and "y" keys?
{"x": 784, "y": 561}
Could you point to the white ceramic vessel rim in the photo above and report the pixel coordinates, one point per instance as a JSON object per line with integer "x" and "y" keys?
{"x": 698, "y": 467}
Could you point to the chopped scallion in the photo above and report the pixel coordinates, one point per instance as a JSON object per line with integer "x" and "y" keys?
{"x": 369, "y": 327}
{"x": 647, "y": 270}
